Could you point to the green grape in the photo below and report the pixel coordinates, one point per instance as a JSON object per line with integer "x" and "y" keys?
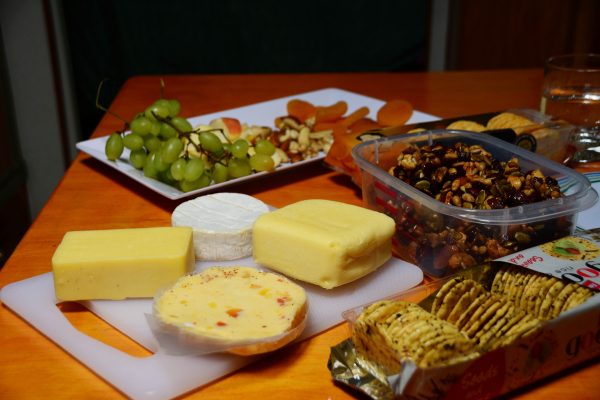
{"x": 137, "y": 158}
{"x": 174, "y": 107}
{"x": 154, "y": 128}
{"x": 167, "y": 131}
{"x": 171, "y": 150}
{"x": 166, "y": 177}
{"x": 133, "y": 141}
{"x": 178, "y": 169}
{"x": 114, "y": 146}
{"x": 265, "y": 147}
{"x": 261, "y": 162}
{"x": 181, "y": 124}
{"x": 219, "y": 173}
{"x": 140, "y": 125}
{"x": 194, "y": 168}
{"x": 238, "y": 167}
{"x": 159, "y": 163}
{"x": 211, "y": 143}
{"x": 159, "y": 110}
{"x": 149, "y": 169}
{"x": 239, "y": 148}
{"x": 152, "y": 143}
{"x": 188, "y": 186}
{"x": 227, "y": 147}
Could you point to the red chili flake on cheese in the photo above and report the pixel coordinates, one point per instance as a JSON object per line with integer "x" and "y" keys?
{"x": 221, "y": 323}
{"x": 254, "y": 286}
{"x": 234, "y": 312}
{"x": 282, "y": 300}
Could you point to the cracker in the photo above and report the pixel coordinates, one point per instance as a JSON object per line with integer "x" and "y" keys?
{"x": 465, "y": 125}
{"x": 464, "y": 302}
{"x": 508, "y": 120}
{"x": 518, "y": 286}
{"x": 549, "y": 299}
{"x": 474, "y": 307}
{"x": 561, "y": 299}
{"x": 580, "y": 295}
{"x": 530, "y": 293}
{"x": 491, "y": 323}
{"x": 495, "y": 305}
{"x": 514, "y": 318}
{"x": 453, "y": 350}
{"x": 497, "y": 281}
{"x": 441, "y": 294}
{"x": 452, "y": 298}
{"x": 545, "y": 286}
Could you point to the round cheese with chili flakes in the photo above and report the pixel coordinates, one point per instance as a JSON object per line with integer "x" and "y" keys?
{"x": 241, "y": 310}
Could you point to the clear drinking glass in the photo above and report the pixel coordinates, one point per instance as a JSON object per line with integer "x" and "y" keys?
{"x": 572, "y": 92}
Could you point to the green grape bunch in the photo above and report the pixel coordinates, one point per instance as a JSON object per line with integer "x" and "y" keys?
{"x": 165, "y": 147}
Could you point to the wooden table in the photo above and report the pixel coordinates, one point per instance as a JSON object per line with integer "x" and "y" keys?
{"x": 92, "y": 196}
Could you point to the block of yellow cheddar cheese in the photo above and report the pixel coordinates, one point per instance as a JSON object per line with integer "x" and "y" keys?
{"x": 324, "y": 242}
{"x": 115, "y": 264}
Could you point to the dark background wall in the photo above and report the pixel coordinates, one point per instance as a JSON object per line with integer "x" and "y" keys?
{"x": 119, "y": 39}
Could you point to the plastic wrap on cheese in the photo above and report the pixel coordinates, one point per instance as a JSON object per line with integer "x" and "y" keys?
{"x": 239, "y": 310}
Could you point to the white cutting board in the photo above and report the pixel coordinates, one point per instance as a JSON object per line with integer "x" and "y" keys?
{"x": 163, "y": 376}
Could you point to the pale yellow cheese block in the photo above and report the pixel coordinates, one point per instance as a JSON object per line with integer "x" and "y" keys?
{"x": 241, "y": 310}
{"x": 324, "y": 242}
{"x": 116, "y": 264}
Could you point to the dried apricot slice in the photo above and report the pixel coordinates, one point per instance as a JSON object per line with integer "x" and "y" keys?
{"x": 300, "y": 109}
{"x": 331, "y": 113}
{"x": 394, "y": 112}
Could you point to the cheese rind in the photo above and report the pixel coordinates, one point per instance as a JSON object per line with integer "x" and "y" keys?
{"x": 222, "y": 224}
{"x": 237, "y": 309}
{"x": 116, "y": 264}
{"x": 323, "y": 242}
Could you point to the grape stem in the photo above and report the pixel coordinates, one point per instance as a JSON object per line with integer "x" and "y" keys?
{"x": 106, "y": 110}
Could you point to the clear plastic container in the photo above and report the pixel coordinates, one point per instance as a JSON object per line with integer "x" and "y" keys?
{"x": 422, "y": 221}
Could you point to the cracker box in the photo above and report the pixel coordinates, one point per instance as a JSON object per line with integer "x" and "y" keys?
{"x": 567, "y": 332}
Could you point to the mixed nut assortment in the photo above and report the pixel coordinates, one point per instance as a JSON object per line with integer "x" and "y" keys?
{"x": 468, "y": 176}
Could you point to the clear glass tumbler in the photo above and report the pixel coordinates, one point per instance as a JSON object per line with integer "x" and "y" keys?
{"x": 572, "y": 92}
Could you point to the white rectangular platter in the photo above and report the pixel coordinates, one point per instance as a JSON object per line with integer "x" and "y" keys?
{"x": 164, "y": 376}
{"x": 262, "y": 114}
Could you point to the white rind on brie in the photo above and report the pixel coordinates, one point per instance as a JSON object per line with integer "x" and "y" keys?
{"x": 222, "y": 224}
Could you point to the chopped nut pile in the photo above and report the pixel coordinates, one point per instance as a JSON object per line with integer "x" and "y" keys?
{"x": 468, "y": 176}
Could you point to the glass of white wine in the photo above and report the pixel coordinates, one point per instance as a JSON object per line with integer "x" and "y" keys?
{"x": 572, "y": 92}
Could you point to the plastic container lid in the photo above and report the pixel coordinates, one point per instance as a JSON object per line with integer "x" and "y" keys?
{"x": 579, "y": 196}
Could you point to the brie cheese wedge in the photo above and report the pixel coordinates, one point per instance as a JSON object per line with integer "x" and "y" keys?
{"x": 222, "y": 224}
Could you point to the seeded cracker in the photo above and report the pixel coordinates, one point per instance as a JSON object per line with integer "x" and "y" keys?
{"x": 465, "y": 125}
{"x": 550, "y": 298}
{"x": 506, "y": 277}
{"x": 439, "y": 297}
{"x": 489, "y": 301}
{"x": 488, "y": 328}
{"x": 521, "y": 330}
{"x": 508, "y": 120}
{"x": 466, "y": 317}
{"x": 561, "y": 298}
{"x": 530, "y": 294}
{"x": 545, "y": 286}
{"x": 497, "y": 282}
{"x": 485, "y": 317}
{"x": 465, "y": 301}
{"x": 518, "y": 286}
{"x": 453, "y": 296}
{"x": 580, "y": 296}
